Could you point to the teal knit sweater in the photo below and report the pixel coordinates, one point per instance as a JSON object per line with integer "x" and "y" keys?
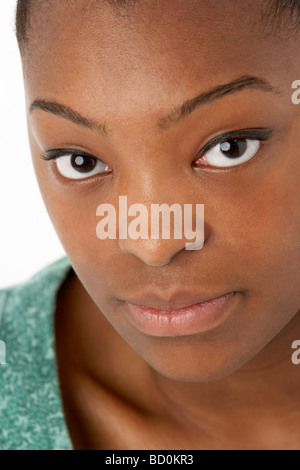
{"x": 31, "y": 411}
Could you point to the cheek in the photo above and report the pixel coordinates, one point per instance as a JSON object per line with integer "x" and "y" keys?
{"x": 263, "y": 232}
{"x": 73, "y": 215}
{"x": 75, "y": 221}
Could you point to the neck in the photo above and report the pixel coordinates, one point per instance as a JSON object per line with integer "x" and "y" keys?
{"x": 266, "y": 384}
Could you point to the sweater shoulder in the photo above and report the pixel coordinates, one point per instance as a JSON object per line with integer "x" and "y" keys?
{"x": 31, "y": 411}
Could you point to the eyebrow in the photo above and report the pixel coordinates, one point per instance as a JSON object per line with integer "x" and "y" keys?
{"x": 66, "y": 112}
{"x": 218, "y": 92}
{"x": 179, "y": 113}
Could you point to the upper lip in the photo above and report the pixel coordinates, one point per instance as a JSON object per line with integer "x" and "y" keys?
{"x": 175, "y": 301}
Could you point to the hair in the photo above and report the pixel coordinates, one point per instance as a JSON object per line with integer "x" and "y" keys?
{"x": 277, "y": 10}
{"x": 22, "y": 13}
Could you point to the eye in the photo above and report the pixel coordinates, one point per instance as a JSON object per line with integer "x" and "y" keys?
{"x": 74, "y": 164}
{"x": 233, "y": 152}
{"x": 229, "y": 151}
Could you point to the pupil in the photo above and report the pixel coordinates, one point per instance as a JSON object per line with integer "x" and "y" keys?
{"x": 234, "y": 148}
{"x": 82, "y": 163}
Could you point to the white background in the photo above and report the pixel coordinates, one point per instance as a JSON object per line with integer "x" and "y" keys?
{"x": 27, "y": 240}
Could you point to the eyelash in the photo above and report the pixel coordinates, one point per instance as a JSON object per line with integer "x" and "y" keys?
{"x": 56, "y": 153}
{"x": 255, "y": 134}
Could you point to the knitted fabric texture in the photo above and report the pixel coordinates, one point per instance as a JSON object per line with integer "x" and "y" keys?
{"x": 31, "y": 410}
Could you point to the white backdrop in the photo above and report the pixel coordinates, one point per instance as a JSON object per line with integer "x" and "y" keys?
{"x": 27, "y": 240}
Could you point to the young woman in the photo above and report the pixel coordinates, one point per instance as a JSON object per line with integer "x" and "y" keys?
{"x": 133, "y": 343}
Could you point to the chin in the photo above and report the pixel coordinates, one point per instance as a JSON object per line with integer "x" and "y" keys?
{"x": 199, "y": 376}
{"x": 196, "y": 370}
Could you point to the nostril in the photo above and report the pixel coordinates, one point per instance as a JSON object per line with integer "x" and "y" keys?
{"x": 154, "y": 253}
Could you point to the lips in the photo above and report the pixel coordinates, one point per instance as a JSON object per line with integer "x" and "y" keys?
{"x": 176, "y": 301}
{"x": 181, "y": 315}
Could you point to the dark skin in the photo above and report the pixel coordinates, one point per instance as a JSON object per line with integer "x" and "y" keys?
{"x": 233, "y": 386}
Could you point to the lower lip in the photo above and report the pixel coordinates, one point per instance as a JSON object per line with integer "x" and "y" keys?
{"x": 197, "y": 318}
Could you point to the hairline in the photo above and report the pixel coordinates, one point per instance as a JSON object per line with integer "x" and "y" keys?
{"x": 277, "y": 12}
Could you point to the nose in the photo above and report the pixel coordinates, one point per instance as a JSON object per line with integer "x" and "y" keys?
{"x": 153, "y": 252}
{"x": 158, "y": 231}
{"x": 151, "y": 223}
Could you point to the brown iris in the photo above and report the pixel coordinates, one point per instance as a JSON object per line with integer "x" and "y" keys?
{"x": 83, "y": 164}
{"x": 234, "y": 148}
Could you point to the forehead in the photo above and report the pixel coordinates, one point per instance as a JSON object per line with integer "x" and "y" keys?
{"x": 92, "y": 51}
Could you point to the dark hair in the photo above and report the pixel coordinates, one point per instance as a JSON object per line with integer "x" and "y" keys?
{"x": 22, "y": 13}
{"x": 276, "y": 10}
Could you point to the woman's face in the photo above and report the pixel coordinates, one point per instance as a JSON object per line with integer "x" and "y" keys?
{"x": 124, "y": 71}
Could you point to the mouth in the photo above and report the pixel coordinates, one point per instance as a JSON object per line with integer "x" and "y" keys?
{"x": 160, "y": 318}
